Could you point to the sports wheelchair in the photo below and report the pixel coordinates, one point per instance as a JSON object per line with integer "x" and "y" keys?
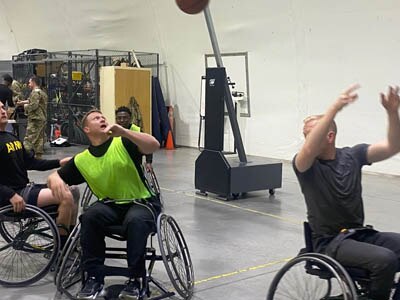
{"x": 29, "y": 244}
{"x": 315, "y": 276}
{"x": 173, "y": 252}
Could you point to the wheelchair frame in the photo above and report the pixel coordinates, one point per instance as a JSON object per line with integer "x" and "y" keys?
{"x": 174, "y": 254}
{"x": 173, "y": 250}
{"x": 351, "y": 282}
{"x": 32, "y": 233}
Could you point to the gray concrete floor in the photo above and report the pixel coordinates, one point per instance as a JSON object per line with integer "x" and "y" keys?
{"x": 236, "y": 246}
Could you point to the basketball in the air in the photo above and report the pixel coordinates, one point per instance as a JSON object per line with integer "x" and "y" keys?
{"x": 192, "y": 6}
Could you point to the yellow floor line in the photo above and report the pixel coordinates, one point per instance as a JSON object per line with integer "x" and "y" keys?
{"x": 221, "y": 202}
{"x": 242, "y": 271}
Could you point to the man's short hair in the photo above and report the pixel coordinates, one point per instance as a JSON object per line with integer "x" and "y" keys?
{"x": 7, "y": 78}
{"x": 84, "y": 119}
{"x": 123, "y": 109}
{"x": 36, "y": 80}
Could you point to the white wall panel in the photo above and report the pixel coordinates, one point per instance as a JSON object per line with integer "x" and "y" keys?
{"x": 302, "y": 53}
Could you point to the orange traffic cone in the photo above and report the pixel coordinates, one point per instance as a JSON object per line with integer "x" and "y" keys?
{"x": 169, "y": 144}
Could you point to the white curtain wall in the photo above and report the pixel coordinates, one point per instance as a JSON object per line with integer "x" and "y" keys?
{"x": 301, "y": 53}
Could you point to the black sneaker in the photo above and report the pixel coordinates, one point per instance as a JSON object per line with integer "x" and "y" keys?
{"x": 131, "y": 290}
{"x": 90, "y": 290}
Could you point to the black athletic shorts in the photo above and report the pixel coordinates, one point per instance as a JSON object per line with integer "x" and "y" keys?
{"x": 31, "y": 193}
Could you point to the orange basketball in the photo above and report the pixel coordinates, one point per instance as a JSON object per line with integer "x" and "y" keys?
{"x": 191, "y": 6}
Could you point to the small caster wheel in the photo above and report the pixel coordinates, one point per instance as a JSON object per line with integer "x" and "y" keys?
{"x": 202, "y": 193}
{"x": 271, "y": 192}
{"x": 235, "y": 195}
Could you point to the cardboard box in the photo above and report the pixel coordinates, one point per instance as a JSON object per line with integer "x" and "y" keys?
{"x": 76, "y": 75}
{"x": 41, "y": 70}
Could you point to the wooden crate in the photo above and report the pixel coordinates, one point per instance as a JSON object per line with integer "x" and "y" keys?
{"x": 119, "y": 84}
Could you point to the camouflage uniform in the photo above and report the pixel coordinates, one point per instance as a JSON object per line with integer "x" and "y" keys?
{"x": 37, "y": 115}
{"x": 136, "y": 113}
{"x": 16, "y": 87}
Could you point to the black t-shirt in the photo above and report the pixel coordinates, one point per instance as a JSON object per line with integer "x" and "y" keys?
{"x": 6, "y": 95}
{"x": 332, "y": 191}
{"x": 14, "y": 162}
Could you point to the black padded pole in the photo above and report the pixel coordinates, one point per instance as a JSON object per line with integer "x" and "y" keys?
{"x": 228, "y": 97}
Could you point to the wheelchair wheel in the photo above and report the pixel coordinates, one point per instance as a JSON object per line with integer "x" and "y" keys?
{"x": 175, "y": 255}
{"x": 7, "y": 229}
{"x": 29, "y": 245}
{"x": 69, "y": 241}
{"x": 312, "y": 276}
{"x": 152, "y": 181}
{"x": 68, "y": 273}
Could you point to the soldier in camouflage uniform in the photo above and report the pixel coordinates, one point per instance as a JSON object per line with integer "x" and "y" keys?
{"x": 16, "y": 89}
{"x": 15, "y": 86}
{"x": 36, "y": 109}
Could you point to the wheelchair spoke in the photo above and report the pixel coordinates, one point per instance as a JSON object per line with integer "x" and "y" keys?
{"x": 8, "y": 230}
{"x": 312, "y": 277}
{"x": 69, "y": 272}
{"x": 6, "y": 246}
{"x": 177, "y": 259}
{"x": 28, "y": 246}
{"x": 72, "y": 264}
{"x": 16, "y": 265}
{"x": 72, "y": 275}
{"x": 299, "y": 285}
{"x": 37, "y": 248}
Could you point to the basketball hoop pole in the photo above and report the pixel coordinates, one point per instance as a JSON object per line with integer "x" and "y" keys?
{"x": 228, "y": 99}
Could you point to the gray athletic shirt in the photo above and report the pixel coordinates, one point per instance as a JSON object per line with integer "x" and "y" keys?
{"x": 332, "y": 191}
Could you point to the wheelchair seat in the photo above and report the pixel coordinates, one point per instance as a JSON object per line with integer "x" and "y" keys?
{"x": 115, "y": 232}
{"x": 358, "y": 274}
{"x": 29, "y": 244}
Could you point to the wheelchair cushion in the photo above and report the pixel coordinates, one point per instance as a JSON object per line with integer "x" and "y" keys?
{"x": 115, "y": 232}
{"x": 357, "y": 274}
{"x": 50, "y": 208}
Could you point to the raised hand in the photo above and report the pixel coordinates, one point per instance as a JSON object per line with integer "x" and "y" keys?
{"x": 114, "y": 130}
{"x": 347, "y": 96}
{"x": 391, "y": 101}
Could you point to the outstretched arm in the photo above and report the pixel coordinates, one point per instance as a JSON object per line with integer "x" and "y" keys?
{"x": 390, "y": 146}
{"x": 314, "y": 138}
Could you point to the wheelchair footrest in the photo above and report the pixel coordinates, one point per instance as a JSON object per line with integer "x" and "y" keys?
{"x": 112, "y": 293}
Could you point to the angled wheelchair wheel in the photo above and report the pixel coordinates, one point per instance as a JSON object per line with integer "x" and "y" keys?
{"x": 175, "y": 255}
{"x": 68, "y": 273}
{"x": 153, "y": 182}
{"x": 29, "y": 245}
{"x": 312, "y": 276}
{"x": 87, "y": 198}
{"x": 71, "y": 238}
